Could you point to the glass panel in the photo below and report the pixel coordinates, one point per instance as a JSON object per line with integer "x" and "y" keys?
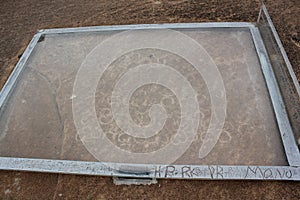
{"x": 284, "y": 79}
{"x": 144, "y": 96}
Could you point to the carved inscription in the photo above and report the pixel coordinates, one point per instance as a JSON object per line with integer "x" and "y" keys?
{"x": 268, "y": 173}
{"x": 221, "y": 172}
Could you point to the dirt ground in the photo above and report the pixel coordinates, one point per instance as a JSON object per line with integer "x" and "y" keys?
{"x": 19, "y": 21}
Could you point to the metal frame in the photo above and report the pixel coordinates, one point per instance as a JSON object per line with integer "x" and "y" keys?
{"x": 142, "y": 171}
{"x": 286, "y": 132}
{"x": 291, "y": 172}
{"x": 263, "y": 10}
{"x": 12, "y": 79}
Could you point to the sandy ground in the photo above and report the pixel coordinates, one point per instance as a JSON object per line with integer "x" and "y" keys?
{"x": 19, "y": 20}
